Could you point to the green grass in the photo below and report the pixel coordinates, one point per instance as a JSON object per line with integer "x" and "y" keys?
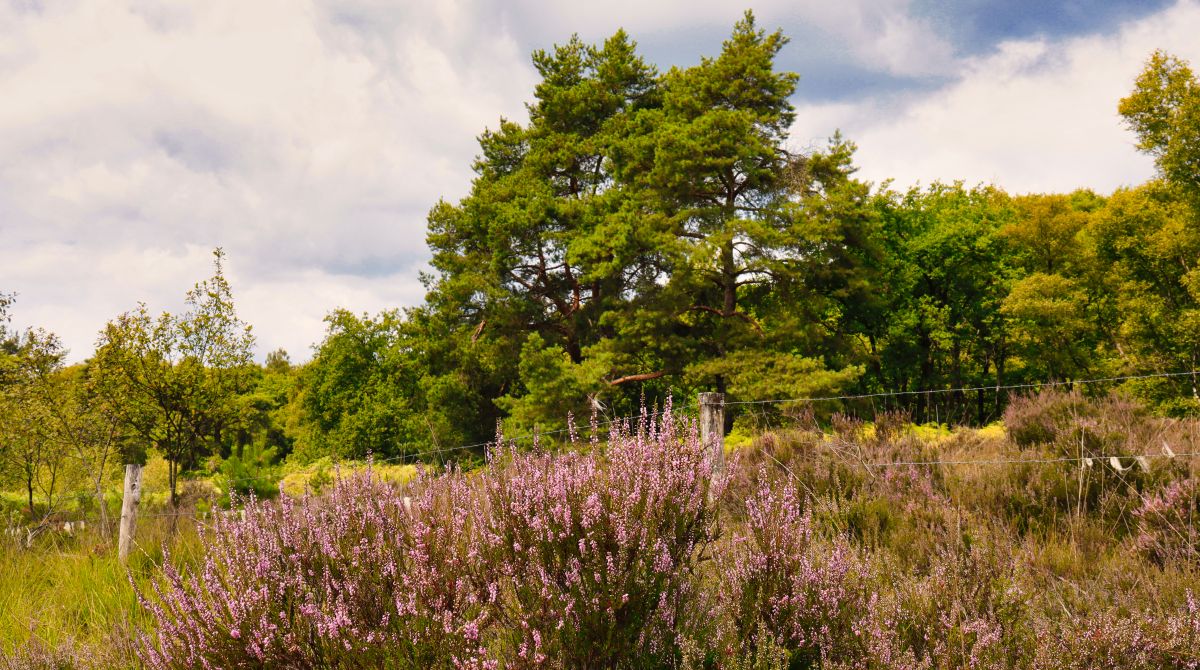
{"x": 69, "y": 592}
{"x": 70, "y": 589}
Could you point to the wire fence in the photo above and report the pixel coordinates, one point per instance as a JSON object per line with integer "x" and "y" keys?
{"x": 423, "y": 456}
{"x": 969, "y": 389}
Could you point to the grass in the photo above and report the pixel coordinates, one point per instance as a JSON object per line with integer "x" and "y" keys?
{"x": 1072, "y": 551}
{"x": 69, "y": 589}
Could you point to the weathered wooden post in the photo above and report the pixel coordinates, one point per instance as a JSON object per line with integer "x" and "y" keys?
{"x": 129, "y": 505}
{"x": 712, "y": 429}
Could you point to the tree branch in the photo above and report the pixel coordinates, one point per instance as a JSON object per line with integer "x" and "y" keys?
{"x": 713, "y": 310}
{"x": 645, "y": 376}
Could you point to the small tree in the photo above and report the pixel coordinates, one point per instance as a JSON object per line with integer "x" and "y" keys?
{"x": 87, "y": 424}
{"x": 176, "y": 378}
{"x": 30, "y": 452}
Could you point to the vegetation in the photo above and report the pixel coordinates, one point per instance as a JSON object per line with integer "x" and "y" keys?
{"x": 647, "y": 235}
{"x": 819, "y": 549}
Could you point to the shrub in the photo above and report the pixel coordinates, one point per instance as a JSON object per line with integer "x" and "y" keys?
{"x": 345, "y": 581}
{"x": 1113, "y": 640}
{"x": 787, "y": 595}
{"x": 598, "y": 552}
{"x": 114, "y": 651}
{"x": 35, "y": 654}
{"x": 578, "y": 560}
{"x": 1095, "y": 449}
{"x": 1167, "y": 523}
{"x": 1041, "y": 418}
{"x": 968, "y": 612}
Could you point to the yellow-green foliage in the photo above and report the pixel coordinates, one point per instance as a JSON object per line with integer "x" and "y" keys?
{"x": 156, "y": 482}
{"x": 314, "y": 476}
{"x": 930, "y": 432}
{"x": 992, "y": 431}
{"x": 738, "y": 438}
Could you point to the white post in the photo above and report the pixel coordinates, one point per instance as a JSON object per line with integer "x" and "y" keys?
{"x": 129, "y": 505}
{"x": 712, "y": 428}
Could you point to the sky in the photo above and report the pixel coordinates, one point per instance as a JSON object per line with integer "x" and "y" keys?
{"x": 309, "y": 138}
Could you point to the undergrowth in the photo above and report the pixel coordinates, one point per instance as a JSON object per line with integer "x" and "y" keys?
{"x": 1066, "y": 541}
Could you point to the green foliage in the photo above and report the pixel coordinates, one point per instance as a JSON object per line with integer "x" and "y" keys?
{"x": 31, "y": 453}
{"x": 754, "y": 374}
{"x": 1164, "y": 111}
{"x": 253, "y": 470}
{"x": 553, "y": 386}
{"x": 1149, "y": 240}
{"x": 354, "y": 391}
{"x": 176, "y": 379}
{"x": 1050, "y": 331}
{"x": 639, "y": 227}
{"x": 949, "y": 271}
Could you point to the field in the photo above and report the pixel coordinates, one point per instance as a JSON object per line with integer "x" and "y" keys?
{"x": 842, "y": 544}
{"x": 963, "y": 420}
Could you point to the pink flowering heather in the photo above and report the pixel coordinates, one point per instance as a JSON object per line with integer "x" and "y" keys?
{"x": 346, "y": 580}
{"x": 598, "y": 550}
{"x": 968, "y": 612}
{"x": 782, "y": 589}
{"x": 1167, "y": 524}
{"x": 1116, "y": 640}
{"x": 573, "y": 561}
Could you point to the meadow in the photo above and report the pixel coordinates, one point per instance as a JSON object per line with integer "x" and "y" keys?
{"x": 648, "y": 233}
{"x": 1065, "y": 537}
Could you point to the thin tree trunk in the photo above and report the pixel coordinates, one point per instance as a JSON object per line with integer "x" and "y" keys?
{"x": 101, "y": 506}
{"x": 171, "y": 476}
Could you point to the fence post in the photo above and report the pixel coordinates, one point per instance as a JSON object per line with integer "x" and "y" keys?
{"x": 129, "y": 505}
{"x": 712, "y": 428}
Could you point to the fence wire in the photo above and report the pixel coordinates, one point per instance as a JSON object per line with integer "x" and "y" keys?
{"x": 685, "y": 411}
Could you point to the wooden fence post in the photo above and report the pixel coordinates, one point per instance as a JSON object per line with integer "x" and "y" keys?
{"x": 129, "y": 505}
{"x": 712, "y": 429}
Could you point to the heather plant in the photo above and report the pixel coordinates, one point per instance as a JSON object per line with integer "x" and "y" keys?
{"x": 1122, "y": 640}
{"x": 570, "y": 560}
{"x": 363, "y": 577}
{"x": 904, "y": 508}
{"x": 1036, "y": 419}
{"x": 115, "y": 649}
{"x": 36, "y": 654}
{"x": 969, "y": 611}
{"x": 598, "y": 552}
{"x": 1100, "y": 454}
{"x": 790, "y": 598}
{"x": 1168, "y": 524}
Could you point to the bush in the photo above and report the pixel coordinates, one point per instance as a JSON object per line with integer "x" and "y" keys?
{"x": 1167, "y": 523}
{"x": 1041, "y": 418}
{"x": 350, "y": 580}
{"x": 35, "y": 654}
{"x": 579, "y": 560}
{"x": 787, "y": 595}
{"x": 1113, "y": 640}
{"x": 968, "y": 612}
{"x": 1097, "y": 451}
{"x": 598, "y": 554}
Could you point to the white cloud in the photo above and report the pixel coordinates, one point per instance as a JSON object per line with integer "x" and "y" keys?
{"x": 309, "y": 137}
{"x": 136, "y": 136}
{"x": 878, "y": 34}
{"x": 1031, "y": 116}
